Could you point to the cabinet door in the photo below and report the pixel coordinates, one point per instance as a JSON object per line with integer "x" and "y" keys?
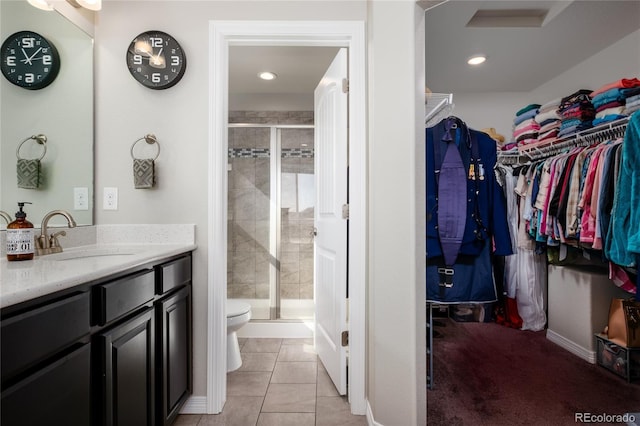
{"x": 174, "y": 353}
{"x": 127, "y": 372}
{"x": 56, "y": 395}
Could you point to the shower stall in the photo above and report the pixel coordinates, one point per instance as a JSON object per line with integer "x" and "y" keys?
{"x": 270, "y": 219}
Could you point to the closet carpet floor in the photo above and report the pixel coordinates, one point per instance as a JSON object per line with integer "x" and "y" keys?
{"x": 488, "y": 374}
{"x": 281, "y": 383}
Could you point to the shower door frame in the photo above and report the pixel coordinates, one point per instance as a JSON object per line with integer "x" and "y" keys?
{"x": 275, "y": 220}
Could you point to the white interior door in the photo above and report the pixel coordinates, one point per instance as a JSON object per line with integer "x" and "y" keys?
{"x": 331, "y": 161}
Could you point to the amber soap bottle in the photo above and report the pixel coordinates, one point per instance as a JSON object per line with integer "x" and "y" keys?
{"x": 20, "y": 241}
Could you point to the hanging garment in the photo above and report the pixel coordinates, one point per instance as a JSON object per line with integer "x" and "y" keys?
{"x": 508, "y": 182}
{"x": 624, "y": 242}
{"x": 532, "y": 285}
{"x": 470, "y": 278}
{"x": 485, "y": 211}
{"x": 525, "y": 272}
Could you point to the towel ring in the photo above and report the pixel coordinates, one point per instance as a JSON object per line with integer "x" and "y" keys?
{"x": 40, "y": 139}
{"x": 150, "y": 139}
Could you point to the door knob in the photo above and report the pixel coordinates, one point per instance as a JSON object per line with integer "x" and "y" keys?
{"x": 314, "y": 232}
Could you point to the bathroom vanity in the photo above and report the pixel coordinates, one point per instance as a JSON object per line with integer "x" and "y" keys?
{"x": 97, "y": 336}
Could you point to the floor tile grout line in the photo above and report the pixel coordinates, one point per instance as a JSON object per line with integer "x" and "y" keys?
{"x": 264, "y": 398}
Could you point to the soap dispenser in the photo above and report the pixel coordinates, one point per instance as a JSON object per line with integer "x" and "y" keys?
{"x": 20, "y": 241}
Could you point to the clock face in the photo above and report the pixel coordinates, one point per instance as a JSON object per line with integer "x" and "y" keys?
{"x": 29, "y": 60}
{"x": 156, "y": 60}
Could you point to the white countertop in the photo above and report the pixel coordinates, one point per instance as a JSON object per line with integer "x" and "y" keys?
{"x": 114, "y": 248}
{"x": 28, "y": 279}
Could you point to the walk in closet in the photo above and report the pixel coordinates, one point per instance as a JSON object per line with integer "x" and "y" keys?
{"x": 551, "y": 209}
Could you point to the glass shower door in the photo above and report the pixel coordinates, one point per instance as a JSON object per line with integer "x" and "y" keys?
{"x": 297, "y": 200}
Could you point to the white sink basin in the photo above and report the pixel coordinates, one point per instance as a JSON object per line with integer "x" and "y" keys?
{"x": 94, "y": 252}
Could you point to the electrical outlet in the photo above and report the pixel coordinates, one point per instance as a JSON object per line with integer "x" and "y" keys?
{"x": 81, "y": 198}
{"x": 110, "y": 199}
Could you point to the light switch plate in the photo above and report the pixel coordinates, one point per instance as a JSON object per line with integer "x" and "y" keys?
{"x": 81, "y": 198}
{"x": 110, "y": 199}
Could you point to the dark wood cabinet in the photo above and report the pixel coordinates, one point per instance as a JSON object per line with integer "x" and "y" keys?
{"x": 127, "y": 368}
{"x": 173, "y": 353}
{"x": 116, "y": 351}
{"x": 55, "y": 395}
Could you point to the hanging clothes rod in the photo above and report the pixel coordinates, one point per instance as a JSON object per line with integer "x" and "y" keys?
{"x": 509, "y": 157}
{"x": 611, "y": 130}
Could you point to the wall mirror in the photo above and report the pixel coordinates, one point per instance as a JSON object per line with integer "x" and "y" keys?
{"x": 62, "y": 111}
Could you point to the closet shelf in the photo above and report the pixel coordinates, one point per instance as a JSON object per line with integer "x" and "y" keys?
{"x": 437, "y": 106}
{"x": 610, "y": 130}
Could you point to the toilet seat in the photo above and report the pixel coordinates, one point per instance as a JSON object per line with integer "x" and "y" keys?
{"x": 236, "y": 308}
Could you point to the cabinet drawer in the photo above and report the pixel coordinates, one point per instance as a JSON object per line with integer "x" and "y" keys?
{"x": 33, "y": 336}
{"x": 56, "y": 395}
{"x": 173, "y": 274}
{"x": 117, "y": 298}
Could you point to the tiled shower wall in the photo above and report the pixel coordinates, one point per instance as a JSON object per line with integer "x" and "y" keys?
{"x": 249, "y": 207}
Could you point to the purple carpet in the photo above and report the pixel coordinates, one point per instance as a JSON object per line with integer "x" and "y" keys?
{"x": 488, "y": 374}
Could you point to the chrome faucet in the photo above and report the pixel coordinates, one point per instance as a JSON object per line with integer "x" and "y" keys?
{"x": 46, "y": 244}
{"x": 6, "y": 217}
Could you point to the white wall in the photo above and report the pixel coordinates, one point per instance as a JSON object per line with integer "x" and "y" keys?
{"x": 179, "y": 116}
{"x": 481, "y": 110}
{"x": 396, "y": 379}
{"x": 620, "y": 60}
{"x": 484, "y": 110}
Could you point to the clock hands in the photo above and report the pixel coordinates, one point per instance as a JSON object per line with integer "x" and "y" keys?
{"x": 158, "y": 60}
{"x": 27, "y": 60}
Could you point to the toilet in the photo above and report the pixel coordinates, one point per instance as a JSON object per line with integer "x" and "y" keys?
{"x": 238, "y": 314}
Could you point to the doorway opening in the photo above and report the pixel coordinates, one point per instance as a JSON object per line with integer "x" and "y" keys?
{"x": 224, "y": 34}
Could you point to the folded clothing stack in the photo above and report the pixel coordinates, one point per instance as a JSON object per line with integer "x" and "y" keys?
{"x": 525, "y": 126}
{"x": 549, "y": 120}
{"x": 633, "y": 104}
{"x": 577, "y": 113}
{"x": 610, "y": 100}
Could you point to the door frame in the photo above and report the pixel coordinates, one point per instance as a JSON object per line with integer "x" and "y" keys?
{"x": 222, "y": 34}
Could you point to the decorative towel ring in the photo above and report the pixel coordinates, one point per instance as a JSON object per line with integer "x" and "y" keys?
{"x": 150, "y": 139}
{"x": 41, "y": 139}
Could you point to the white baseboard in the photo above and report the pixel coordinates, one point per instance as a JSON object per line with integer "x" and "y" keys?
{"x": 370, "y": 420}
{"x": 195, "y": 405}
{"x": 574, "y": 348}
{"x": 273, "y": 329}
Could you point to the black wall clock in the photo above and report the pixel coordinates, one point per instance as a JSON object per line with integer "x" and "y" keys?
{"x": 29, "y": 60}
{"x": 156, "y": 60}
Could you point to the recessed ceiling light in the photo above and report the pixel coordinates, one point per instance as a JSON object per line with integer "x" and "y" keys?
{"x": 90, "y": 4}
{"x": 476, "y": 59}
{"x": 267, "y": 75}
{"x": 41, "y": 4}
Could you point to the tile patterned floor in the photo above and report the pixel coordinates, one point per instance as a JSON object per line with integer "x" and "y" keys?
{"x": 281, "y": 383}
